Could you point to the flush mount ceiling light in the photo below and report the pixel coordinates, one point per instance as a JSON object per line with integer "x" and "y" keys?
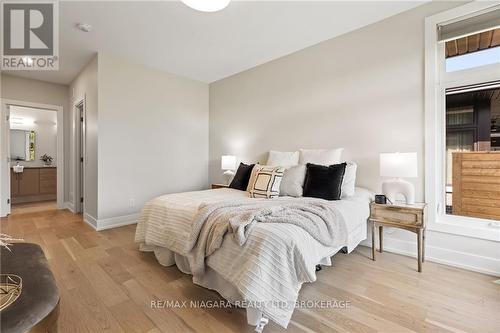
{"x": 207, "y": 5}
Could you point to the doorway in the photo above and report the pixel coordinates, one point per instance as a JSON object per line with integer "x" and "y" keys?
{"x": 31, "y": 142}
{"x": 79, "y": 155}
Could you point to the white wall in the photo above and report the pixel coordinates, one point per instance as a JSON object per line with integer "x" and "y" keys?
{"x": 363, "y": 91}
{"x": 153, "y": 136}
{"x": 34, "y": 91}
{"x": 86, "y": 85}
{"x": 45, "y": 127}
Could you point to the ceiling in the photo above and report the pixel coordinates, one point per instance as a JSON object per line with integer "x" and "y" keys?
{"x": 169, "y": 36}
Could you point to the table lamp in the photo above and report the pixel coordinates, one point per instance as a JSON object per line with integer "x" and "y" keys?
{"x": 228, "y": 163}
{"x": 398, "y": 166}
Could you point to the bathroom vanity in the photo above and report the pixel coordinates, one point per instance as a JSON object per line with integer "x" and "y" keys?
{"x": 34, "y": 183}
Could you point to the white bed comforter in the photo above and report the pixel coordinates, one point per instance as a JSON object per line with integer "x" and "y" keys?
{"x": 269, "y": 269}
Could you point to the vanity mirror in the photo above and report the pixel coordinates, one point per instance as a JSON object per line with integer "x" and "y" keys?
{"x": 22, "y": 145}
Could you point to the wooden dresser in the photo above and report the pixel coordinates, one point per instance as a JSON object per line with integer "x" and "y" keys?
{"x": 33, "y": 184}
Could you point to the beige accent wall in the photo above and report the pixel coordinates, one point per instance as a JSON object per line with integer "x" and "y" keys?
{"x": 363, "y": 91}
{"x": 86, "y": 85}
{"x": 153, "y": 135}
{"x": 34, "y": 91}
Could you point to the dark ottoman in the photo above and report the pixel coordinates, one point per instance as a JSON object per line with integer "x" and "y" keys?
{"x": 37, "y": 308}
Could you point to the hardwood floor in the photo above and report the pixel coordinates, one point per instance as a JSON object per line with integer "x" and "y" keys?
{"x": 34, "y": 207}
{"x": 107, "y": 285}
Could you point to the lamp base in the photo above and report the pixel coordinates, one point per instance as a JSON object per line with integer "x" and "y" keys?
{"x": 228, "y": 175}
{"x": 393, "y": 187}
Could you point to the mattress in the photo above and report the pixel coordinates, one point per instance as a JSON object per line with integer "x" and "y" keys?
{"x": 274, "y": 262}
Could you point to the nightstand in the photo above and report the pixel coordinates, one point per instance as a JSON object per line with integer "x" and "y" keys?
{"x": 214, "y": 186}
{"x": 399, "y": 215}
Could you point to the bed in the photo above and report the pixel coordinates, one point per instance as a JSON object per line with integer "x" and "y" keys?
{"x": 264, "y": 274}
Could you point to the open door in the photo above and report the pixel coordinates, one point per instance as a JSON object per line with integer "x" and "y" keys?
{"x": 79, "y": 156}
{"x": 5, "y": 154}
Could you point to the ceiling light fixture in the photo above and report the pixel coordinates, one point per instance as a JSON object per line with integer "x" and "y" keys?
{"x": 207, "y": 5}
{"x": 85, "y": 27}
{"x": 21, "y": 121}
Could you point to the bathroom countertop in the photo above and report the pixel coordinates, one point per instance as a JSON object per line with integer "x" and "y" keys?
{"x": 36, "y": 166}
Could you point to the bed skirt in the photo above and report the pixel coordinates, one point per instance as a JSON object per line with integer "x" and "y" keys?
{"x": 214, "y": 281}
{"x": 210, "y": 280}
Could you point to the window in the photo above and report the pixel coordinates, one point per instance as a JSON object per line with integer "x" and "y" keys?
{"x": 470, "y": 135}
{"x": 460, "y": 116}
{"x": 462, "y": 120}
{"x": 472, "y": 51}
{"x": 471, "y": 60}
{"x": 471, "y": 113}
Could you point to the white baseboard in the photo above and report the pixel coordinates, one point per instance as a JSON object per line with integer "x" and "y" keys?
{"x": 469, "y": 261}
{"x": 118, "y": 221}
{"x": 90, "y": 220}
{"x": 69, "y": 206}
{"x": 109, "y": 223}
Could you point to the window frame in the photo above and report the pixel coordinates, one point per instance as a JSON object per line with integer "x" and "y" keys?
{"x": 437, "y": 81}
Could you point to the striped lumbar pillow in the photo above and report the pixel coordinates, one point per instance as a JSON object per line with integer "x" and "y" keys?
{"x": 265, "y": 181}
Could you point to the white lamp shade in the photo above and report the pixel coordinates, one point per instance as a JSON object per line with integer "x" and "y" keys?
{"x": 398, "y": 165}
{"x": 228, "y": 162}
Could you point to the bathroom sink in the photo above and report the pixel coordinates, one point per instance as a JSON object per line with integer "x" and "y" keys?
{"x": 18, "y": 168}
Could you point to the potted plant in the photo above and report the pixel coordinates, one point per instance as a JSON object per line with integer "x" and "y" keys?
{"x": 47, "y": 159}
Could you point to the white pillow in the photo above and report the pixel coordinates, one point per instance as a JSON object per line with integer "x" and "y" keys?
{"x": 321, "y": 156}
{"x": 293, "y": 181}
{"x": 265, "y": 181}
{"x": 349, "y": 181}
{"x": 283, "y": 158}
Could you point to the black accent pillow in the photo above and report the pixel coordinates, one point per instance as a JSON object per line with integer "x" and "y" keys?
{"x": 324, "y": 182}
{"x": 242, "y": 176}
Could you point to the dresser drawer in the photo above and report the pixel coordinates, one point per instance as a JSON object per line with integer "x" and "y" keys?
{"x": 397, "y": 215}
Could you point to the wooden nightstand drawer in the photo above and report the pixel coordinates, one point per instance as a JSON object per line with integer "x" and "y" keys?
{"x": 408, "y": 217}
{"x": 396, "y": 214}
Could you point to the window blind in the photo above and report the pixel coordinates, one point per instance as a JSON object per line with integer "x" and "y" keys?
{"x": 469, "y": 26}
{"x": 473, "y": 87}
